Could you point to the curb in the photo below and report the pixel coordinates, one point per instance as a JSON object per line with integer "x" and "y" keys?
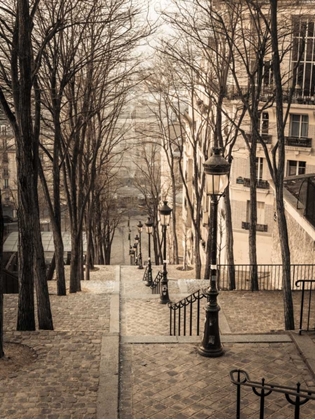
{"x": 108, "y": 391}
{"x": 305, "y": 346}
{"x": 225, "y": 338}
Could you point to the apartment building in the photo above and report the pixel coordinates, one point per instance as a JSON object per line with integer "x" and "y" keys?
{"x": 8, "y": 172}
{"x": 299, "y": 156}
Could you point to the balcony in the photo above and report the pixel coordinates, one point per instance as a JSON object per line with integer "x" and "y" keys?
{"x": 262, "y": 184}
{"x": 266, "y": 138}
{"x": 259, "y": 227}
{"x": 298, "y": 141}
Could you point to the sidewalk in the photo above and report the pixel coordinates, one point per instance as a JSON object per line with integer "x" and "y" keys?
{"x": 111, "y": 356}
{"x": 165, "y": 377}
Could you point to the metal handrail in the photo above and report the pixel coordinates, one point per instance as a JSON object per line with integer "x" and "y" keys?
{"x": 176, "y": 322}
{"x": 310, "y": 289}
{"x": 269, "y": 275}
{"x": 296, "y": 396}
{"x": 156, "y": 283}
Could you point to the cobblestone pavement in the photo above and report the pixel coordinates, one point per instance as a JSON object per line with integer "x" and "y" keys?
{"x": 75, "y": 371}
{"x": 64, "y": 379}
{"x": 171, "y": 380}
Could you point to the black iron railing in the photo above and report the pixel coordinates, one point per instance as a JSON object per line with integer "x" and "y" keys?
{"x": 295, "y": 396}
{"x": 156, "y": 283}
{"x": 308, "y": 287}
{"x": 298, "y": 141}
{"x": 264, "y": 137}
{"x": 185, "y": 316}
{"x": 269, "y": 276}
{"x": 259, "y": 227}
{"x": 260, "y": 183}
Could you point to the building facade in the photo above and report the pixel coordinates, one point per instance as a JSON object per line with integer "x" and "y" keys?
{"x": 299, "y": 67}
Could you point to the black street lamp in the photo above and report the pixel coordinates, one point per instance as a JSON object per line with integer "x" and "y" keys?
{"x": 132, "y": 255}
{"x": 165, "y": 213}
{"x": 140, "y": 226}
{"x": 149, "y": 229}
{"x": 217, "y": 171}
{"x": 135, "y": 247}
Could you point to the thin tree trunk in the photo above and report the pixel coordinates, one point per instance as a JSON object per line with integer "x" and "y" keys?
{"x": 286, "y": 266}
{"x": 279, "y": 174}
{"x": 208, "y": 250}
{"x": 197, "y": 257}
{"x": 51, "y": 268}
{"x": 253, "y": 216}
{"x": 229, "y": 240}
{"x": 1, "y": 278}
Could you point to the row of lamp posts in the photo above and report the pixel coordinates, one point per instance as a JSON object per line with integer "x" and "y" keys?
{"x": 136, "y": 254}
{"x": 217, "y": 173}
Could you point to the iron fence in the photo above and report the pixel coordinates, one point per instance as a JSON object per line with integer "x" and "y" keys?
{"x": 269, "y": 276}
{"x": 306, "y": 317}
{"x": 296, "y": 396}
{"x": 185, "y": 316}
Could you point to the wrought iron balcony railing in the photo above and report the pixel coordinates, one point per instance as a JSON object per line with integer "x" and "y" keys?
{"x": 259, "y": 227}
{"x": 260, "y": 183}
{"x": 266, "y": 138}
{"x": 298, "y": 141}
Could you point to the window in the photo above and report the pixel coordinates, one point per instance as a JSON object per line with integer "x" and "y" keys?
{"x": 259, "y": 167}
{"x": 6, "y": 183}
{"x": 264, "y": 123}
{"x": 260, "y": 212}
{"x": 304, "y": 54}
{"x": 298, "y": 125}
{"x": 296, "y": 168}
{"x": 267, "y": 73}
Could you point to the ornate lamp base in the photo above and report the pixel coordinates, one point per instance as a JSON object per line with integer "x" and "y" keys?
{"x": 210, "y": 345}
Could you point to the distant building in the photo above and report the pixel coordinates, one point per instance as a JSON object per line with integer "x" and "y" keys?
{"x": 8, "y": 169}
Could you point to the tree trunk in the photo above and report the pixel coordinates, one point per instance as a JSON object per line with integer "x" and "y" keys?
{"x": 51, "y": 268}
{"x": 253, "y": 216}
{"x": 75, "y": 284}
{"x": 197, "y": 257}
{"x": 58, "y": 242}
{"x": 1, "y": 278}
{"x": 208, "y": 249}
{"x": 229, "y": 240}
{"x": 43, "y": 304}
{"x": 25, "y": 175}
{"x": 279, "y": 175}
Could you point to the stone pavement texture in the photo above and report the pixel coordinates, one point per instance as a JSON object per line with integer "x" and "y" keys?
{"x": 111, "y": 356}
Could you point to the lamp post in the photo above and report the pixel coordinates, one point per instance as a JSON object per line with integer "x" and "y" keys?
{"x": 135, "y": 247}
{"x": 140, "y": 226}
{"x": 132, "y": 254}
{"x": 217, "y": 173}
{"x": 165, "y": 213}
{"x": 149, "y": 229}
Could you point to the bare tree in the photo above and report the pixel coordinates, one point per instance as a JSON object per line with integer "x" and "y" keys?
{"x": 20, "y": 101}
{"x": 255, "y": 49}
{"x": 86, "y": 67}
{"x": 147, "y": 180}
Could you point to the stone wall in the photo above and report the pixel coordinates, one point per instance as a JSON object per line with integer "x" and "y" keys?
{"x": 301, "y": 238}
